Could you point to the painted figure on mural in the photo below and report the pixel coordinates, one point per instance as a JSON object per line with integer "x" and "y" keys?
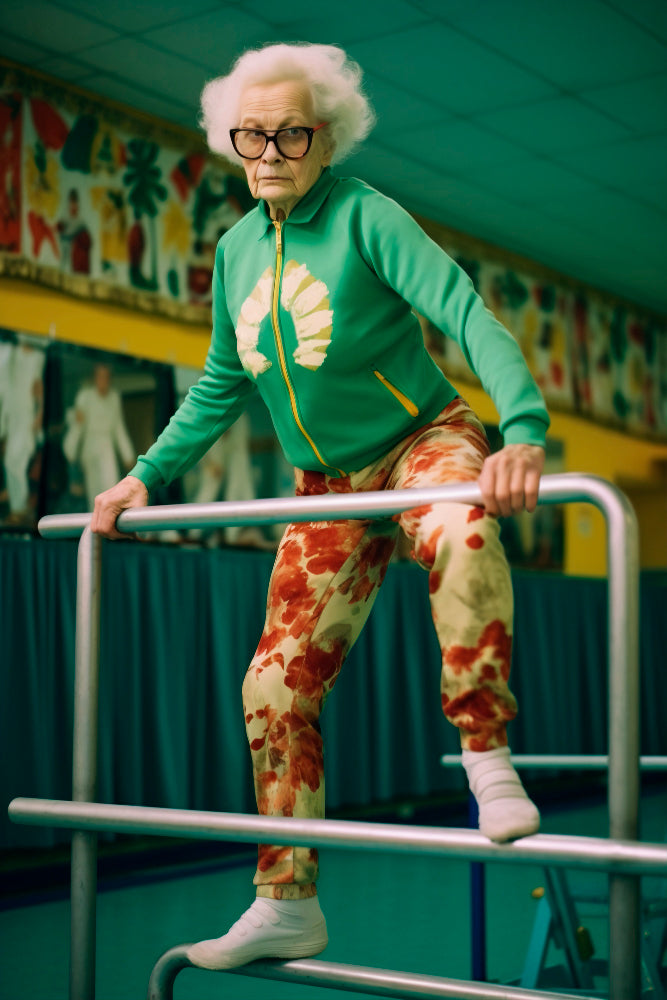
{"x": 10, "y": 172}
{"x": 109, "y": 203}
{"x": 75, "y": 239}
{"x": 21, "y": 425}
{"x": 97, "y": 437}
{"x": 136, "y": 246}
{"x": 217, "y": 206}
{"x": 145, "y": 190}
{"x": 314, "y": 300}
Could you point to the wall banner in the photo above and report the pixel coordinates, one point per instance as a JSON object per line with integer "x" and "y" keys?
{"x": 589, "y": 355}
{"x": 107, "y": 206}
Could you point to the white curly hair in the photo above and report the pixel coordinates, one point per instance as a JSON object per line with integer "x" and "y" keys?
{"x": 334, "y": 80}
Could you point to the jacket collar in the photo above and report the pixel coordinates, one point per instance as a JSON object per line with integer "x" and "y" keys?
{"x": 306, "y": 208}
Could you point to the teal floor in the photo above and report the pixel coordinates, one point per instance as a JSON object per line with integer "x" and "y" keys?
{"x": 407, "y": 913}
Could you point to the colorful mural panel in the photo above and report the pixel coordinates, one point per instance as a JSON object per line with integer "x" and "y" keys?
{"x": 109, "y": 207}
{"x": 589, "y": 355}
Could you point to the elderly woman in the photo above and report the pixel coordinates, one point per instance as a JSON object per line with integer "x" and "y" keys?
{"x": 313, "y": 298}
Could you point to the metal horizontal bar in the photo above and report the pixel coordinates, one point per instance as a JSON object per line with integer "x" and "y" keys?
{"x": 592, "y": 853}
{"x": 378, "y": 982}
{"x": 565, "y": 487}
{"x": 574, "y": 762}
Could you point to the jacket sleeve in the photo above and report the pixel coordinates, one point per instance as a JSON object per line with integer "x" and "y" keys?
{"x": 407, "y": 260}
{"x": 210, "y": 407}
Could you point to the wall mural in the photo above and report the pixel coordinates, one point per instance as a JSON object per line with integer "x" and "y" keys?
{"x": 103, "y": 204}
{"x": 108, "y": 207}
{"x": 589, "y": 356}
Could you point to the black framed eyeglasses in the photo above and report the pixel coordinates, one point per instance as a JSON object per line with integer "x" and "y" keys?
{"x": 292, "y": 142}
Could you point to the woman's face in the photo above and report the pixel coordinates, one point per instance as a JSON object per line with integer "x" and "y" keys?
{"x": 281, "y": 182}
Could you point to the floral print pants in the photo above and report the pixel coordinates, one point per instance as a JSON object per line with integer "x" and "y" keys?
{"x": 324, "y": 583}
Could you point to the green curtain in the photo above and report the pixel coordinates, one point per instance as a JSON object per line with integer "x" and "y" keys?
{"x": 178, "y": 630}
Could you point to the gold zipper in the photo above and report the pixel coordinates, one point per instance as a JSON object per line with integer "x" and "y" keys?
{"x": 281, "y": 350}
{"x": 400, "y": 396}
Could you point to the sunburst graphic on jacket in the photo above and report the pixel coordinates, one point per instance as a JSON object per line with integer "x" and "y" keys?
{"x": 255, "y": 308}
{"x": 307, "y": 300}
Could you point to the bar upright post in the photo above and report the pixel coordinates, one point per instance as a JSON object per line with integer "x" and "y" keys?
{"x": 477, "y": 904}
{"x": 84, "y": 766}
{"x": 624, "y": 890}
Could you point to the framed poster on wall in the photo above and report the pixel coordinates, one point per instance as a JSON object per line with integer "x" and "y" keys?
{"x": 22, "y": 367}
{"x": 102, "y": 410}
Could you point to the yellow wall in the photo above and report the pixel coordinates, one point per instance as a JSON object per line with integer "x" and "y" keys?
{"x": 638, "y": 467}
{"x": 33, "y": 309}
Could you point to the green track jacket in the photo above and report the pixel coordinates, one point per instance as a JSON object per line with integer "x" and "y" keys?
{"x": 316, "y": 313}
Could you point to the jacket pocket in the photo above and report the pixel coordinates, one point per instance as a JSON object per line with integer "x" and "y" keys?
{"x": 404, "y": 400}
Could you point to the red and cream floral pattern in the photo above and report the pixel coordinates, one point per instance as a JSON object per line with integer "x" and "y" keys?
{"x": 324, "y": 583}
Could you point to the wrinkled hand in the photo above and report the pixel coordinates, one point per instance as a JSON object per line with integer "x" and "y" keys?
{"x": 129, "y": 492}
{"x": 510, "y": 479}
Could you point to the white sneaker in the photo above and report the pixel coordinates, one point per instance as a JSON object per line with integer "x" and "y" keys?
{"x": 505, "y": 811}
{"x": 270, "y": 928}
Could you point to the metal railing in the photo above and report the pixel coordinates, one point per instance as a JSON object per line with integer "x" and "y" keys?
{"x": 566, "y": 762}
{"x": 620, "y": 855}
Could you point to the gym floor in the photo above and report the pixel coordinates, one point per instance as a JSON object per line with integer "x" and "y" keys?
{"x": 401, "y": 912}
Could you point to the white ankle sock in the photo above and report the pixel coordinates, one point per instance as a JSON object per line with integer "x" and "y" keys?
{"x": 505, "y": 811}
{"x": 270, "y": 928}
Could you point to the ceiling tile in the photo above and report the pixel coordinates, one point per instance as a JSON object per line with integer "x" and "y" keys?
{"x": 187, "y": 117}
{"x": 597, "y": 263}
{"x": 162, "y": 74}
{"x": 65, "y": 69}
{"x": 305, "y": 20}
{"x": 436, "y": 62}
{"x": 422, "y": 190}
{"x": 214, "y": 39}
{"x": 655, "y": 194}
{"x": 455, "y": 147}
{"x": 372, "y": 19}
{"x": 531, "y": 180}
{"x": 396, "y": 109}
{"x": 650, "y": 14}
{"x": 573, "y": 44}
{"x": 120, "y": 90}
{"x": 611, "y": 215}
{"x": 55, "y": 29}
{"x": 640, "y": 104}
{"x": 527, "y": 232}
{"x": 558, "y": 123}
{"x": 133, "y": 16}
{"x": 280, "y": 13}
{"x": 626, "y": 165}
{"x": 456, "y": 202}
{"x": 390, "y": 172}
{"x": 637, "y": 279}
{"x": 20, "y": 50}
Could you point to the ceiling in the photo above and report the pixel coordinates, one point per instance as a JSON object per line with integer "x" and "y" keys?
{"x": 537, "y": 125}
